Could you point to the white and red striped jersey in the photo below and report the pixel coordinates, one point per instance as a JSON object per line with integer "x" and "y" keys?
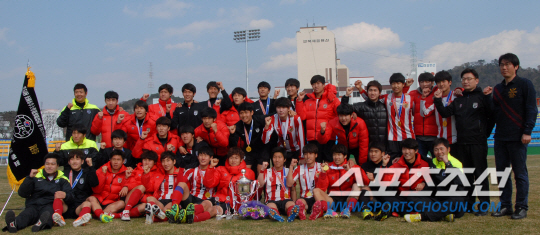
{"x": 167, "y": 186}
{"x": 307, "y": 178}
{"x": 195, "y": 177}
{"x": 399, "y": 125}
{"x": 276, "y": 184}
{"x": 446, "y": 126}
{"x": 290, "y": 133}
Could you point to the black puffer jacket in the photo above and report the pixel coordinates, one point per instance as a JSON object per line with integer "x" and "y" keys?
{"x": 39, "y": 191}
{"x": 83, "y": 188}
{"x": 375, "y": 116}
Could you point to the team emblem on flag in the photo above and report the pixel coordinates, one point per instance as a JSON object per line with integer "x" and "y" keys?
{"x": 23, "y": 126}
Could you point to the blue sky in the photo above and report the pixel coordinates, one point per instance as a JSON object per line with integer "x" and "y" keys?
{"x": 108, "y": 44}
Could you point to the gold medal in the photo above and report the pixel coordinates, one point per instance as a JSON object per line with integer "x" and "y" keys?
{"x": 248, "y": 149}
{"x": 444, "y": 123}
{"x": 399, "y": 123}
{"x": 207, "y": 195}
{"x": 309, "y": 194}
{"x": 286, "y": 195}
{"x": 325, "y": 168}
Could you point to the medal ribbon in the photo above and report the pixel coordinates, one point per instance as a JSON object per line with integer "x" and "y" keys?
{"x": 265, "y": 111}
{"x": 398, "y": 117}
{"x": 448, "y": 98}
{"x": 248, "y": 136}
{"x": 76, "y": 179}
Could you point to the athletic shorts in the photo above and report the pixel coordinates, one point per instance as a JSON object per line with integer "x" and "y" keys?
{"x": 71, "y": 211}
{"x": 196, "y": 200}
{"x": 165, "y": 201}
{"x": 281, "y": 205}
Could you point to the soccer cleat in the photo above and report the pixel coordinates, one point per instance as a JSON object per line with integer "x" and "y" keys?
{"x": 125, "y": 215}
{"x": 42, "y": 222}
{"x": 346, "y": 214}
{"x": 449, "y": 218}
{"x": 190, "y": 211}
{"x": 172, "y": 213}
{"x": 58, "y": 219}
{"x": 106, "y": 218}
{"x": 294, "y": 212}
{"x": 381, "y": 216}
{"x": 329, "y": 214}
{"x": 316, "y": 211}
{"x": 367, "y": 214}
{"x": 181, "y": 217}
{"x": 274, "y": 215}
{"x": 10, "y": 221}
{"x": 158, "y": 212}
{"x": 82, "y": 220}
{"x": 411, "y": 218}
{"x": 301, "y": 210}
{"x": 149, "y": 214}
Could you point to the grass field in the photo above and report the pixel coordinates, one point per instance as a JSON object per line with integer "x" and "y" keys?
{"x": 467, "y": 224}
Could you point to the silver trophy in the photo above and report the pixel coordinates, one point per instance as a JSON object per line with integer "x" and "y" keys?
{"x": 243, "y": 187}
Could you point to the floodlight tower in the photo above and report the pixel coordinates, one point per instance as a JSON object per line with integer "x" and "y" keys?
{"x": 247, "y": 36}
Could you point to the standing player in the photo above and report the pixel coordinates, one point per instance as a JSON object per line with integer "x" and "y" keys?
{"x": 78, "y": 112}
{"x": 165, "y": 107}
{"x": 137, "y": 123}
{"x": 215, "y": 133}
{"x": 105, "y": 122}
{"x": 265, "y": 105}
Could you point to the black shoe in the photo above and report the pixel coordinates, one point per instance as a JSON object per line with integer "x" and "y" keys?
{"x": 504, "y": 211}
{"x": 42, "y": 222}
{"x": 481, "y": 213}
{"x": 519, "y": 214}
{"x": 10, "y": 222}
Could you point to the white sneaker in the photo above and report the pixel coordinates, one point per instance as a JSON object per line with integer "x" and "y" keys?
{"x": 125, "y": 215}
{"x": 58, "y": 219}
{"x": 158, "y": 212}
{"x": 149, "y": 214}
{"x": 82, "y": 220}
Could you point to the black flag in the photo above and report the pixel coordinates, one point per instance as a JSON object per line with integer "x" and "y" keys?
{"x": 28, "y": 143}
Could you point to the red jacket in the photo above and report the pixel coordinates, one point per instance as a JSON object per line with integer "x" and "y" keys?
{"x": 152, "y": 143}
{"x": 110, "y": 184}
{"x": 231, "y": 174}
{"x": 219, "y": 140}
{"x": 231, "y": 116}
{"x": 336, "y": 172}
{"x": 315, "y": 111}
{"x": 358, "y": 136}
{"x": 419, "y": 163}
{"x": 152, "y": 182}
{"x": 158, "y": 110}
{"x": 107, "y": 124}
{"x": 155, "y": 176}
{"x": 425, "y": 125}
{"x": 132, "y": 131}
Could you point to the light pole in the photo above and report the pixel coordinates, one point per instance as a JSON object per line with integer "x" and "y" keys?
{"x": 247, "y": 36}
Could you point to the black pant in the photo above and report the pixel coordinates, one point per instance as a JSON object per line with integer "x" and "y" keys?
{"x": 30, "y": 216}
{"x": 475, "y": 156}
{"x": 394, "y": 149}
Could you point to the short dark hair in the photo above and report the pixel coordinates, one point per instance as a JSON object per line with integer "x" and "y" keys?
{"x": 117, "y": 152}
{"x": 150, "y": 155}
{"x": 168, "y": 154}
{"x": 79, "y": 128}
{"x": 374, "y": 83}
{"x": 119, "y": 134}
{"x": 235, "y": 151}
{"x": 339, "y": 148}
{"x": 163, "y": 121}
{"x": 80, "y": 86}
{"x": 344, "y": 109}
{"x": 142, "y": 104}
{"x": 510, "y": 57}
{"x": 212, "y": 84}
{"x": 469, "y": 70}
{"x": 189, "y": 87}
{"x": 377, "y": 145}
{"x": 52, "y": 155}
{"x": 166, "y": 87}
{"x": 281, "y": 150}
{"x": 292, "y": 82}
{"x": 310, "y": 148}
{"x": 186, "y": 129}
{"x": 283, "y": 102}
{"x": 264, "y": 84}
{"x": 410, "y": 144}
{"x": 397, "y": 77}
{"x": 442, "y": 141}
{"x": 208, "y": 112}
{"x": 317, "y": 78}
{"x": 207, "y": 150}
{"x": 245, "y": 107}
{"x": 427, "y": 76}
{"x": 239, "y": 90}
{"x": 111, "y": 95}
{"x": 443, "y": 76}
{"x": 76, "y": 153}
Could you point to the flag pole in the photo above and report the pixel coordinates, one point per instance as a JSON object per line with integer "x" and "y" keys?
{"x": 7, "y": 202}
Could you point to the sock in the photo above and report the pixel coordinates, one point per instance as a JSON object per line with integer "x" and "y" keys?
{"x": 324, "y": 207}
{"x": 352, "y": 203}
{"x": 289, "y": 210}
{"x": 133, "y": 199}
{"x": 177, "y": 195}
{"x": 152, "y": 203}
{"x": 134, "y": 212}
{"x": 85, "y": 210}
{"x": 277, "y": 211}
{"x": 201, "y": 217}
{"x": 57, "y": 206}
{"x": 117, "y": 215}
{"x": 198, "y": 209}
{"x": 98, "y": 212}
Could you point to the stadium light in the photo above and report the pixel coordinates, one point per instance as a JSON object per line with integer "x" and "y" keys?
{"x": 247, "y": 36}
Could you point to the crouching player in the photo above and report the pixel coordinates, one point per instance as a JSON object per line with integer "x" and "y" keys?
{"x": 278, "y": 195}
{"x": 313, "y": 183}
{"x": 338, "y": 169}
{"x": 44, "y": 190}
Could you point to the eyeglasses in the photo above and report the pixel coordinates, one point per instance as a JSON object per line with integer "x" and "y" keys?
{"x": 467, "y": 79}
